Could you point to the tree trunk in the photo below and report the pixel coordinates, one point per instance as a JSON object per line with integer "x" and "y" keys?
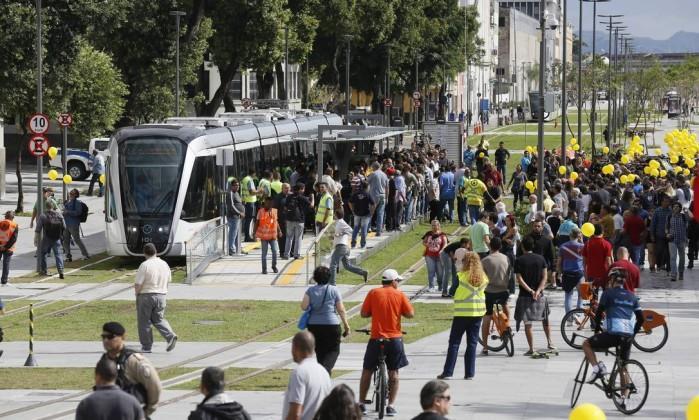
{"x": 281, "y": 89}
{"x": 198, "y": 13}
{"x": 228, "y": 103}
{"x": 18, "y": 171}
{"x": 335, "y": 68}
{"x": 305, "y": 88}
{"x": 264, "y": 85}
{"x": 226, "y": 77}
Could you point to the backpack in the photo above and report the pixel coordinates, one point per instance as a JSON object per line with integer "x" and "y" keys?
{"x": 84, "y": 210}
{"x": 53, "y": 225}
{"x": 136, "y": 389}
{"x": 292, "y": 209}
{"x": 225, "y": 411}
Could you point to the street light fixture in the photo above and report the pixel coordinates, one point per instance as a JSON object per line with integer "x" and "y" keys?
{"x": 177, "y": 14}
{"x": 611, "y": 24}
{"x": 348, "y": 39}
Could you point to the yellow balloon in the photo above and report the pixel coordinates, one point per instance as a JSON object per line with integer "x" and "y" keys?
{"x": 625, "y": 159}
{"x": 663, "y": 173}
{"x": 530, "y": 149}
{"x": 630, "y": 177}
{"x": 654, "y": 164}
{"x": 576, "y": 147}
{"x": 623, "y": 179}
{"x": 53, "y": 152}
{"x": 573, "y": 176}
{"x": 67, "y": 179}
{"x": 646, "y": 170}
{"x": 674, "y": 158}
{"x": 573, "y": 141}
{"x": 587, "y": 412}
{"x": 481, "y": 154}
{"x": 636, "y": 139}
{"x": 685, "y": 172}
{"x": 587, "y": 229}
{"x": 605, "y": 150}
{"x": 655, "y": 172}
{"x": 658, "y": 151}
{"x": 678, "y": 169}
{"x": 562, "y": 170}
{"x": 53, "y": 174}
{"x": 693, "y": 409}
{"x": 529, "y": 185}
{"x": 103, "y": 178}
{"x": 690, "y": 163}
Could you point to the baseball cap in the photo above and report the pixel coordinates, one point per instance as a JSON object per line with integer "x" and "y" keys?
{"x": 390, "y": 275}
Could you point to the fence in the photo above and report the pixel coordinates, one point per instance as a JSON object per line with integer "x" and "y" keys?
{"x": 205, "y": 246}
{"x": 320, "y": 249}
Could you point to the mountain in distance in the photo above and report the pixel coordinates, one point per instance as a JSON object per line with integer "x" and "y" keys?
{"x": 680, "y": 42}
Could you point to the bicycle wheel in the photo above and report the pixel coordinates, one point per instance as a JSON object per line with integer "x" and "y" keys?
{"x": 382, "y": 390}
{"x": 576, "y": 326}
{"x": 510, "y": 343}
{"x": 651, "y": 341}
{"x": 578, "y": 382}
{"x": 629, "y": 386}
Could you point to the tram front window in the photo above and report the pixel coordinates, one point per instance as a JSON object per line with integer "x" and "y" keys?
{"x": 150, "y": 175}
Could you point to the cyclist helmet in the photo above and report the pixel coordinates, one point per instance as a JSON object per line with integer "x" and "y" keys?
{"x": 617, "y": 276}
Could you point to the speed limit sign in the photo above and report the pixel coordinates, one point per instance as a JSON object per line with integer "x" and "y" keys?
{"x": 39, "y": 123}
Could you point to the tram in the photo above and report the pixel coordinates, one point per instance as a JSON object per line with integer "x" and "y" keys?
{"x": 671, "y": 103}
{"x": 163, "y": 184}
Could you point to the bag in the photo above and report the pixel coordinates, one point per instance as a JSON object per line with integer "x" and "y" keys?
{"x": 225, "y": 411}
{"x": 135, "y": 389}
{"x": 84, "y": 210}
{"x": 53, "y": 226}
{"x": 306, "y": 315}
{"x": 292, "y": 210}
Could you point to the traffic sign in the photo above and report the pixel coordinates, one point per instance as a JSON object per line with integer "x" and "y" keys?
{"x": 39, "y": 146}
{"x": 417, "y": 103}
{"x": 416, "y": 95}
{"x": 39, "y": 123}
{"x": 65, "y": 119}
{"x": 387, "y": 102}
{"x": 246, "y": 102}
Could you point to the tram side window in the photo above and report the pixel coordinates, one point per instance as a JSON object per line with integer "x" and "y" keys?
{"x": 201, "y": 202}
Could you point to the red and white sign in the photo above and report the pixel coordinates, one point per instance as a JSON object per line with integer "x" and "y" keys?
{"x": 417, "y": 103}
{"x": 65, "y": 119}
{"x": 246, "y": 103}
{"x": 416, "y": 95}
{"x": 39, "y": 146}
{"x": 387, "y": 102}
{"x": 38, "y": 123}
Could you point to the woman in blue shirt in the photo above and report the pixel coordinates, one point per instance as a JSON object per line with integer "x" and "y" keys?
{"x": 327, "y": 310}
{"x": 570, "y": 263}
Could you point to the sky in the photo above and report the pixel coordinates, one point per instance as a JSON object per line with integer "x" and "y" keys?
{"x": 657, "y": 19}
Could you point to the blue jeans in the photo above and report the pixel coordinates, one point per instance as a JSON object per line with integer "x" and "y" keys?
{"x": 342, "y": 253}
{"x": 361, "y": 223}
{"x": 6, "y": 257}
{"x": 460, "y": 325}
{"x": 233, "y": 234}
{"x": 637, "y": 254}
{"x": 275, "y": 251}
{"x": 677, "y": 250}
{"x": 380, "y": 213}
{"x": 447, "y": 263}
{"x": 447, "y": 203}
{"x": 474, "y": 213}
{"x": 47, "y": 245}
{"x": 461, "y": 209}
{"x": 434, "y": 271}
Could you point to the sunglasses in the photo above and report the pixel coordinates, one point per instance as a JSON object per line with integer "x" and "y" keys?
{"x": 108, "y": 336}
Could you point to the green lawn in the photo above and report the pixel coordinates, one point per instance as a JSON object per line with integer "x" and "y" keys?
{"x": 271, "y": 380}
{"x": 85, "y": 322}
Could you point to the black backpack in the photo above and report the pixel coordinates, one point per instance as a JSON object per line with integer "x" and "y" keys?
{"x": 292, "y": 209}
{"x": 84, "y": 210}
{"x": 136, "y": 389}
{"x": 53, "y": 225}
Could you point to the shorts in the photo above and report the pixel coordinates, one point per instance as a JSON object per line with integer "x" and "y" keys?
{"x": 529, "y": 310}
{"x": 393, "y": 349}
{"x": 605, "y": 340}
{"x": 492, "y": 299}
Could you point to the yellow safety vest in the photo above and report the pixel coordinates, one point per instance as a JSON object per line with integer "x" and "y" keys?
{"x": 276, "y": 186}
{"x": 469, "y": 300}
{"x": 322, "y": 208}
{"x": 245, "y": 192}
{"x": 474, "y": 192}
{"x": 264, "y": 188}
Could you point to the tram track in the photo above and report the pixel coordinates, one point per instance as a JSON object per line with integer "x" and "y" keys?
{"x": 187, "y": 377}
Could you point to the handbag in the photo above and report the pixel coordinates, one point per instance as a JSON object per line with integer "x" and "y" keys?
{"x": 302, "y": 324}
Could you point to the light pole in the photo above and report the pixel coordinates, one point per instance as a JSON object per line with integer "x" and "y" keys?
{"x": 580, "y": 96}
{"x": 610, "y": 26}
{"x": 564, "y": 84}
{"x": 286, "y": 66}
{"x": 177, "y": 14}
{"x": 347, "y": 38}
{"x": 39, "y": 109}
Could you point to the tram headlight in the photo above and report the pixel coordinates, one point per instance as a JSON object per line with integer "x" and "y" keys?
{"x": 164, "y": 229}
{"x": 133, "y": 229}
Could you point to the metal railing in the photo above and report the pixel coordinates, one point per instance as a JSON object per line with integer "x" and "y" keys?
{"x": 203, "y": 247}
{"x": 322, "y": 246}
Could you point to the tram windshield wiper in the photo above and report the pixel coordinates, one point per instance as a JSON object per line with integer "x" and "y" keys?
{"x": 162, "y": 202}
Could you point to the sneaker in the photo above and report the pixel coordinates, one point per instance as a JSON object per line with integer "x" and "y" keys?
{"x": 60, "y": 276}
{"x": 171, "y": 343}
{"x": 681, "y": 277}
{"x": 529, "y": 353}
{"x": 69, "y": 259}
{"x": 598, "y": 372}
{"x": 264, "y": 271}
{"x": 362, "y": 408}
{"x": 284, "y": 257}
{"x": 391, "y": 412}
{"x": 443, "y": 376}
{"x": 275, "y": 269}
{"x": 484, "y": 352}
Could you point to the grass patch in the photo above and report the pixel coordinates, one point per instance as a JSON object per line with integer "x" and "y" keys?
{"x": 61, "y": 378}
{"x": 85, "y": 322}
{"x": 271, "y": 380}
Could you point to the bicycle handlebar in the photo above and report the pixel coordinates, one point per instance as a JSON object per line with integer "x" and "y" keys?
{"x": 368, "y": 331}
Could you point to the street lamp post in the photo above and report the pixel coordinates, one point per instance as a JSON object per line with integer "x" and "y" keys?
{"x": 286, "y": 66}
{"x": 540, "y": 112}
{"x": 611, "y": 25}
{"x": 580, "y": 96}
{"x": 564, "y": 84}
{"x": 39, "y": 109}
{"x": 347, "y": 38}
{"x": 177, "y": 14}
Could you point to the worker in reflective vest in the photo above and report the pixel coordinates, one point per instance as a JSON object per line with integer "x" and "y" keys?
{"x": 8, "y": 238}
{"x": 469, "y": 308}
{"x": 326, "y": 206}
{"x": 264, "y": 187}
{"x": 276, "y": 184}
{"x": 249, "y": 195}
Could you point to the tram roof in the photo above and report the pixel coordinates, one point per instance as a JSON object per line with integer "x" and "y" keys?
{"x": 366, "y": 134}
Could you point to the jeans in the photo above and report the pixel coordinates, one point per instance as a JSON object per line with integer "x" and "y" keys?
{"x": 459, "y": 325}
{"x": 517, "y": 195}
{"x": 408, "y": 209}
{"x": 503, "y": 172}
{"x": 677, "y": 250}
{"x": 247, "y": 221}
{"x": 474, "y": 213}
{"x": 380, "y": 213}
{"x": 461, "y": 210}
{"x": 434, "y": 271}
{"x": 233, "y": 234}
{"x": 150, "y": 310}
{"x": 294, "y": 232}
{"x": 661, "y": 254}
{"x": 48, "y": 245}
{"x": 341, "y": 253}
{"x": 446, "y": 262}
{"x": 637, "y": 253}
{"x": 361, "y": 224}
{"x": 6, "y": 258}
{"x": 275, "y": 251}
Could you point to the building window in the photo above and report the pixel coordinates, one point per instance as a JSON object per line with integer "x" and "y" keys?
{"x": 236, "y": 87}
{"x": 501, "y": 21}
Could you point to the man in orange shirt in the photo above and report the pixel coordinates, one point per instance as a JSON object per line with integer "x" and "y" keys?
{"x": 385, "y": 306}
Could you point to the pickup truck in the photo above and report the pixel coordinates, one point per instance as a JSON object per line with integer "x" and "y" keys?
{"x": 79, "y": 163}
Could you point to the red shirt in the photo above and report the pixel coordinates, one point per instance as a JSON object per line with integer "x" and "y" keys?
{"x": 493, "y": 175}
{"x": 434, "y": 243}
{"x": 634, "y": 226}
{"x": 634, "y": 279}
{"x": 596, "y": 251}
{"x": 386, "y": 305}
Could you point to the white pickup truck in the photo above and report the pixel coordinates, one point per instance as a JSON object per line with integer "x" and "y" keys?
{"x": 79, "y": 165}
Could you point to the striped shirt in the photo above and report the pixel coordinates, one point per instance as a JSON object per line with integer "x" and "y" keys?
{"x": 677, "y": 227}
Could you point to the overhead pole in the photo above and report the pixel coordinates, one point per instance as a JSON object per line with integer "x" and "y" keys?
{"x": 39, "y": 109}
{"x": 580, "y": 96}
{"x": 177, "y": 14}
{"x": 610, "y": 26}
{"x": 564, "y": 97}
{"x": 540, "y": 111}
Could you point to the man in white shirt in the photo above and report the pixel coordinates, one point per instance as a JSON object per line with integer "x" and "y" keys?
{"x": 151, "y": 283}
{"x": 341, "y": 241}
{"x": 309, "y": 383}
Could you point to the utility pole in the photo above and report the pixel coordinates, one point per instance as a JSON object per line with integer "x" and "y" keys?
{"x": 348, "y": 38}
{"x": 540, "y": 111}
{"x": 564, "y": 87}
{"x": 612, "y": 23}
{"x": 286, "y": 66}
{"x": 177, "y": 14}
{"x": 39, "y": 109}
{"x": 580, "y": 95}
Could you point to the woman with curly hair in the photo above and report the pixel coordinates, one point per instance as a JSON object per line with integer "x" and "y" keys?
{"x": 469, "y": 308}
{"x": 339, "y": 405}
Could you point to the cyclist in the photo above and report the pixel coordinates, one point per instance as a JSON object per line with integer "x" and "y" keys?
{"x": 385, "y": 306}
{"x": 620, "y": 306}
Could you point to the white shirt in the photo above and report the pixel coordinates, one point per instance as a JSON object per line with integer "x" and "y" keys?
{"x": 343, "y": 232}
{"x": 618, "y": 222}
{"x": 154, "y": 274}
{"x": 308, "y": 385}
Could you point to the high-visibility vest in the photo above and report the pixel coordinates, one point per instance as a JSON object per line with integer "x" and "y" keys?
{"x": 264, "y": 188}
{"x": 7, "y": 229}
{"x": 267, "y": 223}
{"x": 245, "y": 192}
{"x": 276, "y": 186}
{"x": 323, "y": 208}
{"x": 474, "y": 192}
{"x": 469, "y": 300}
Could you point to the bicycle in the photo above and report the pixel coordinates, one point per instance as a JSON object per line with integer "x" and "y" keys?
{"x": 579, "y": 323}
{"x": 380, "y": 377}
{"x": 504, "y": 336}
{"x": 627, "y": 385}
